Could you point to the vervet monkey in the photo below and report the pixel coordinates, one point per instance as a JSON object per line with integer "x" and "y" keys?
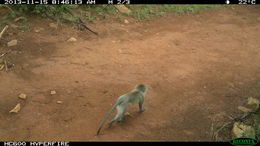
{"x": 136, "y": 96}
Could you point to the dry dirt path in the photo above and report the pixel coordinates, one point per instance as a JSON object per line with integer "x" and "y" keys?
{"x": 199, "y": 68}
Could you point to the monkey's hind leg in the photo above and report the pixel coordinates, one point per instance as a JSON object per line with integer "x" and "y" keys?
{"x": 119, "y": 116}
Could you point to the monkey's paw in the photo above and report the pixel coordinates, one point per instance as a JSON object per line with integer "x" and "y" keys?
{"x": 142, "y": 110}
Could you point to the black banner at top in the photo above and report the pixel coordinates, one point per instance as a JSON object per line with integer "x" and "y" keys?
{"x": 115, "y": 2}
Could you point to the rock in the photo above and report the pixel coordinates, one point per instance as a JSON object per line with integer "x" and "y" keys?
{"x": 53, "y": 25}
{"x": 14, "y": 26}
{"x": 12, "y": 43}
{"x": 38, "y": 29}
{"x": 53, "y": 92}
{"x": 126, "y": 21}
{"x": 122, "y": 9}
{"x": 72, "y": 39}
{"x": 253, "y": 101}
{"x": 22, "y": 96}
{"x": 242, "y": 130}
{"x": 16, "y": 109}
{"x": 78, "y": 61}
{"x": 59, "y": 102}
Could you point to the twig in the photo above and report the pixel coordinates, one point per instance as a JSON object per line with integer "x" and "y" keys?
{"x": 231, "y": 117}
{"x": 7, "y": 8}
{"x": 79, "y": 22}
{"x": 4, "y": 54}
{"x": 238, "y": 118}
{"x": 6, "y": 68}
{"x": 216, "y": 133}
{"x": 82, "y": 23}
{"x": 2, "y": 32}
{"x": 226, "y": 124}
{"x": 212, "y": 131}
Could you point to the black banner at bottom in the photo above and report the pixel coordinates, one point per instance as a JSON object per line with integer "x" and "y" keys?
{"x": 62, "y": 143}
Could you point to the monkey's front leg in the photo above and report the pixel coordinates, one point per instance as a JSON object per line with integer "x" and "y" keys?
{"x": 141, "y": 107}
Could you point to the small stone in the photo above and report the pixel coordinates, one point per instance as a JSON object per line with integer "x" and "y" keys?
{"x": 14, "y": 26}
{"x": 126, "y": 21}
{"x": 123, "y": 9}
{"x": 53, "y": 92}
{"x": 59, "y": 102}
{"x": 22, "y": 96}
{"x": 72, "y": 39}
{"x": 38, "y": 29}
{"x": 12, "y": 43}
{"x": 53, "y": 25}
{"x": 127, "y": 114}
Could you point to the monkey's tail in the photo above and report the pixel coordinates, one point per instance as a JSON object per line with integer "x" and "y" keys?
{"x": 106, "y": 116}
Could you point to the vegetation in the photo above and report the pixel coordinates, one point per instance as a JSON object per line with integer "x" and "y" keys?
{"x": 94, "y": 12}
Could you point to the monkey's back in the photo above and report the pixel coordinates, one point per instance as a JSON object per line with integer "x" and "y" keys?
{"x": 135, "y": 97}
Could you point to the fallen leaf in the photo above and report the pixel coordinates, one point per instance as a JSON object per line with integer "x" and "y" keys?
{"x": 242, "y": 130}
{"x": 16, "y": 109}
{"x": 19, "y": 18}
{"x": 12, "y": 43}
{"x": 244, "y": 109}
{"x": 2, "y": 66}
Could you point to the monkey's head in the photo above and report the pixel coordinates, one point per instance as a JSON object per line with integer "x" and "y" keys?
{"x": 141, "y": 88}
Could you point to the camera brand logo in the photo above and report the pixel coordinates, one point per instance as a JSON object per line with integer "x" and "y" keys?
{"x": 243, "y": 141}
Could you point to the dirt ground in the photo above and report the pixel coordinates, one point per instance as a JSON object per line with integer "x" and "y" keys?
{"x": 199, "y": 68}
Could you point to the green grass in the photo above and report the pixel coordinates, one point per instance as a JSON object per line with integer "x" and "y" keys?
{"x": 142, "y": 12}
{"x": 91, "y": 13}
